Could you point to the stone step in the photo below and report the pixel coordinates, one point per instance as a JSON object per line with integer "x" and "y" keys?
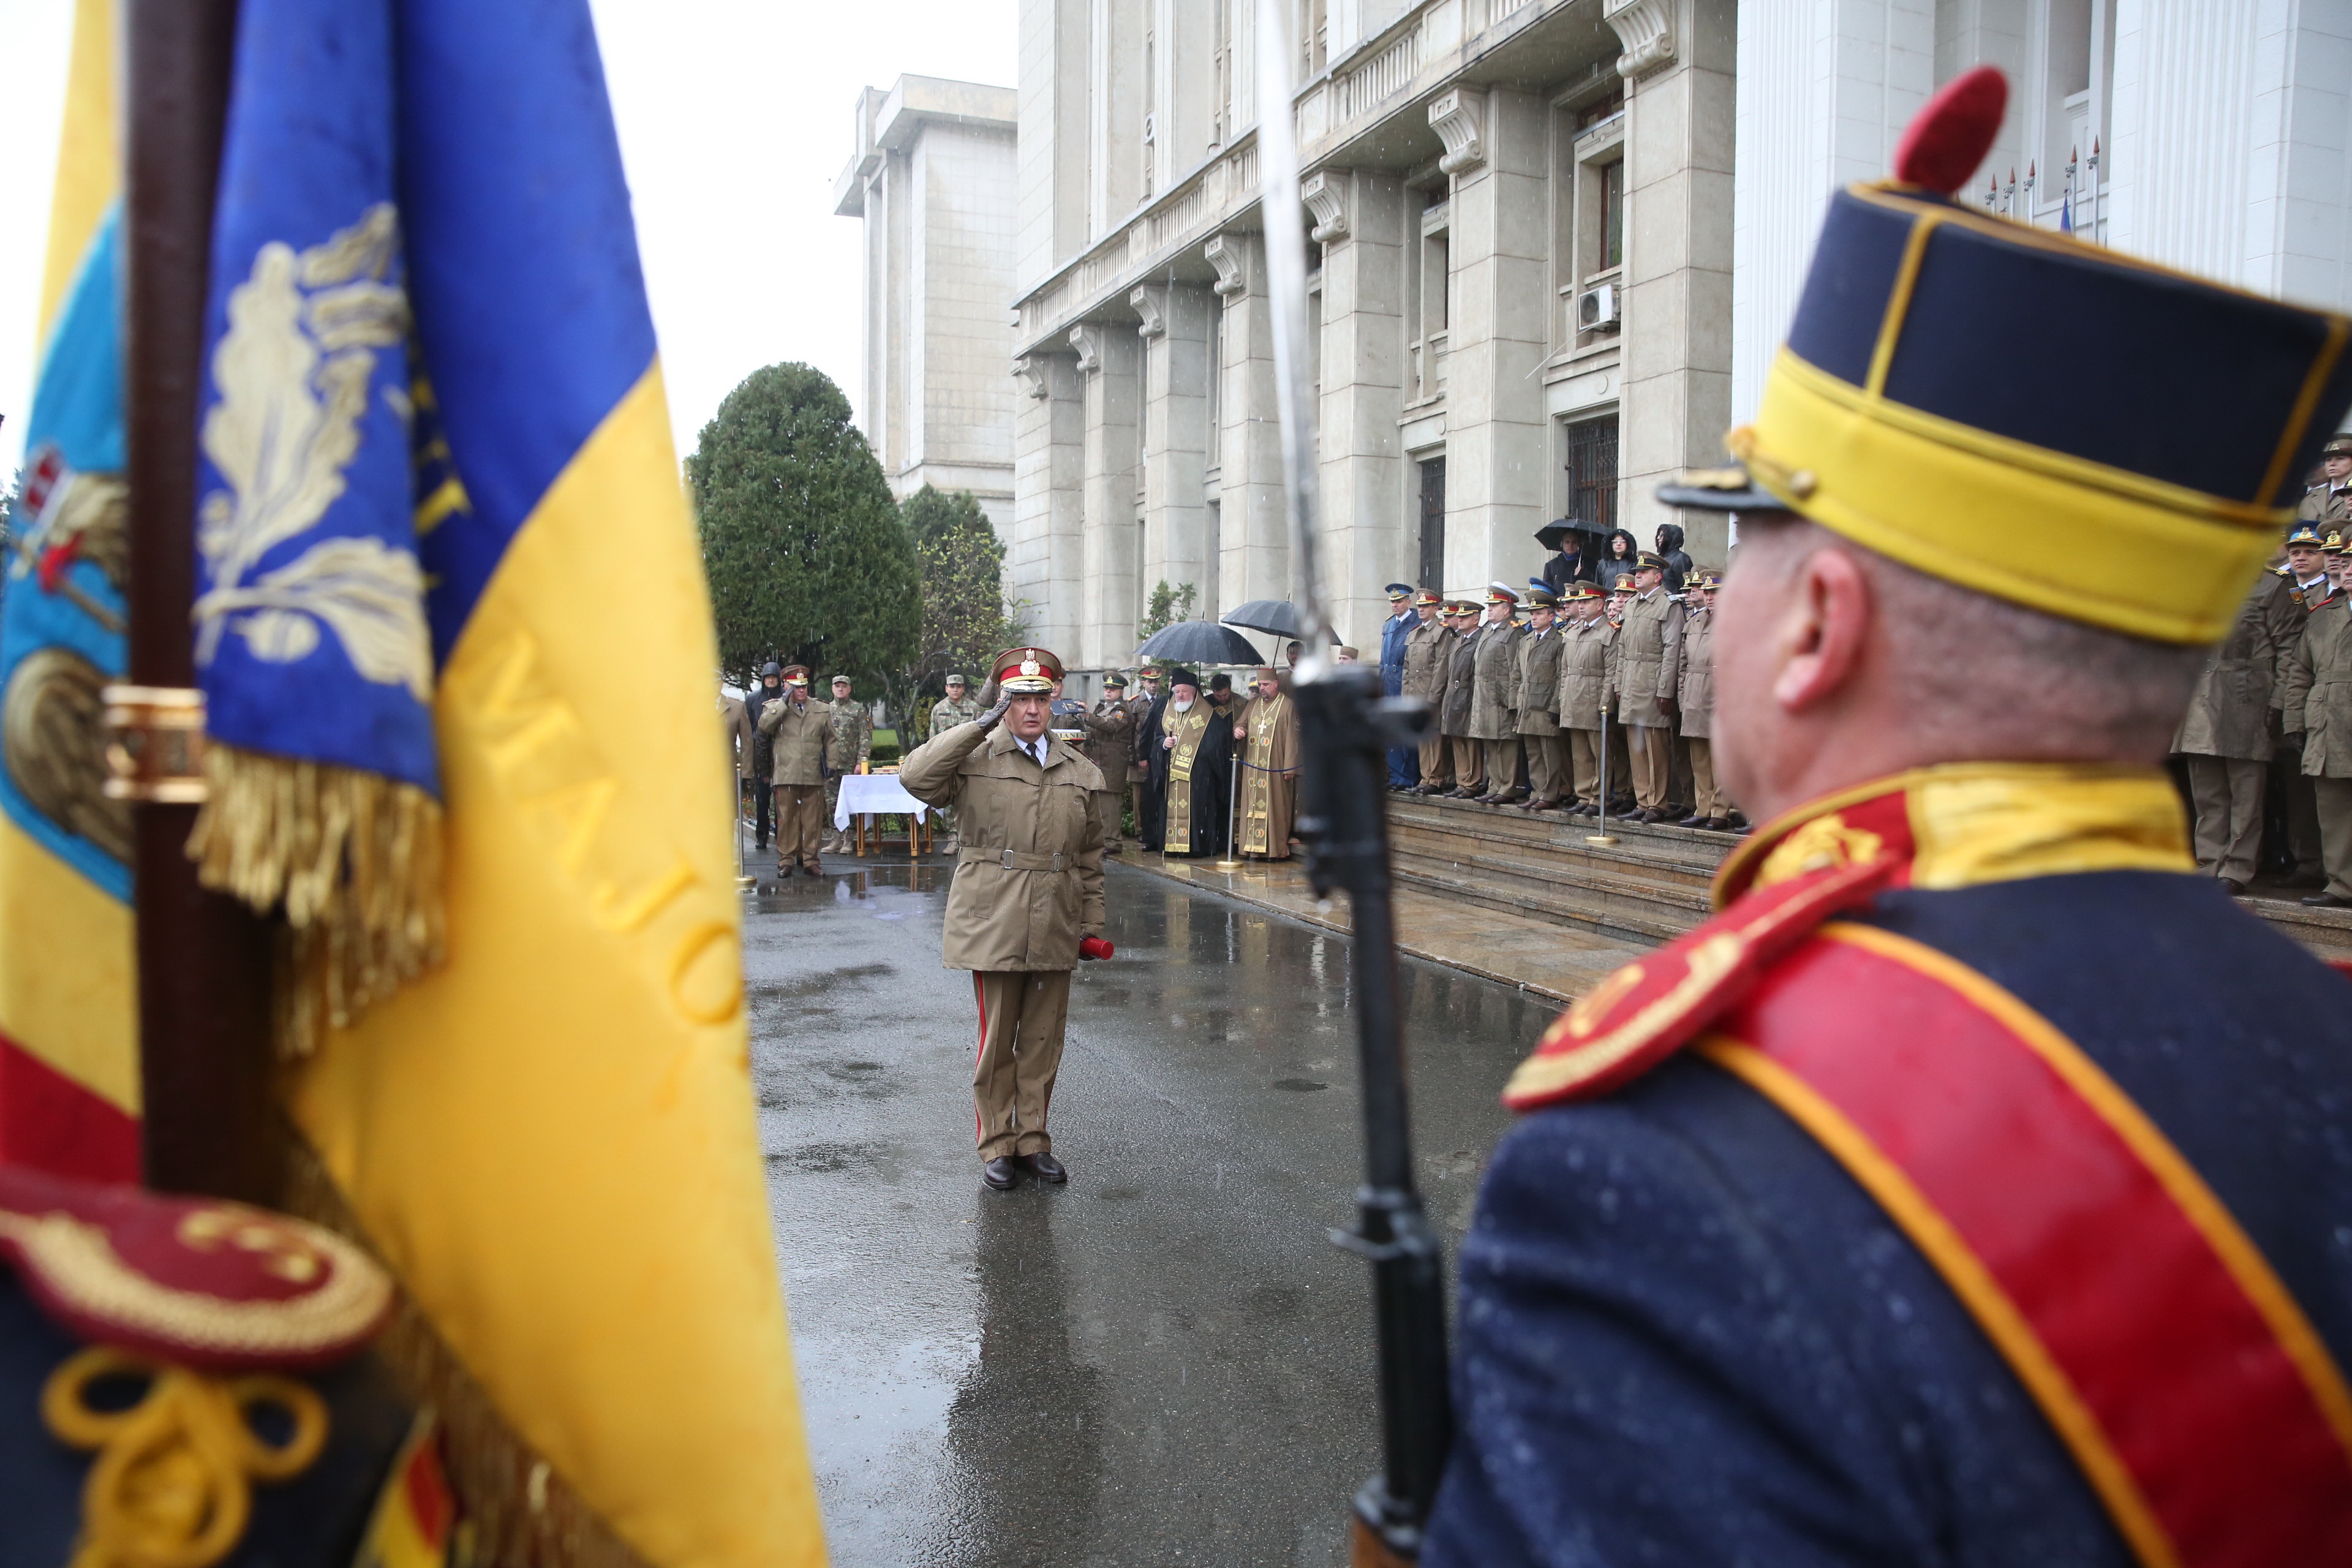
{"x": 1652, "y": 884}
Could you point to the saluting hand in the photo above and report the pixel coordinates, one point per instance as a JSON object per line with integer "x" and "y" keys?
{"x": 988, "y": 720}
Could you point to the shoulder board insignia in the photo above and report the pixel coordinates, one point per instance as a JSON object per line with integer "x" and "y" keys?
{"x": 2278, "y": 571}
{"x": 216, "y": 1286}
{"x": 1646, "y": 1012}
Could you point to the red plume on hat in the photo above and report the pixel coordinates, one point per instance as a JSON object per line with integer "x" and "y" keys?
{"x": 1948, "y": 139}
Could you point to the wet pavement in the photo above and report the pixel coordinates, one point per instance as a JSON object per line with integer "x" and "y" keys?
{"x": 1165, "y": 1361}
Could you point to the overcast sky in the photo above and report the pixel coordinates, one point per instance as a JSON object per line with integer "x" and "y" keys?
{"x": 735, "y": 116}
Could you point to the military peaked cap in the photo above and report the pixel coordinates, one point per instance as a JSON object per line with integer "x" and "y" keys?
{"x": 1026, "y": 671}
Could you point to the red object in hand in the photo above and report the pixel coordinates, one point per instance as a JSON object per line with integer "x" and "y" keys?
{"x": 1095, "y": 947}
{"x": 1948, "y": 139}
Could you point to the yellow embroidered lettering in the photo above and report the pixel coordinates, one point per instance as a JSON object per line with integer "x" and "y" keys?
{"x": 704, "y": 960}
{"x": 623, "y": 918}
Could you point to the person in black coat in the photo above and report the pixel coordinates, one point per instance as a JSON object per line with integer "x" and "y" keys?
{"x": 1618, "y": 554}
{"x": 1678, "y": 560}
{"x": 1573, "y": 563}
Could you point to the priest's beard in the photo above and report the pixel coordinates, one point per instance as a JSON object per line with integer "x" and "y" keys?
{"x": 1182, "y": 705}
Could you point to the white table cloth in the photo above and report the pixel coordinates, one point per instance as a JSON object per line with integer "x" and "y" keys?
{"x": 875, "y": 794}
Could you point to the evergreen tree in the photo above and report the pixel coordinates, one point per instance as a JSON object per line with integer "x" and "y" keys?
{"x": 965, "y": 618}
{"x": 807, "y": 558}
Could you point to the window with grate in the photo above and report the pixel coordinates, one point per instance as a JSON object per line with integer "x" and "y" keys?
{"x": 1432, "y": 524}
{"x": 1592, "y": 472}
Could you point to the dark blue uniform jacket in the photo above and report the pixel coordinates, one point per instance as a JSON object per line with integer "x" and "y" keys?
{"x": 1686, "y": 1335}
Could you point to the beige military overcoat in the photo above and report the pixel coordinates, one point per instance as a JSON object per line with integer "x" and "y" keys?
{"x": 1427, "y": 647}
{"x": 1694, "y": 688}
{"x": 2319, "y": 690}
{"x": 800, "y": 739}
{"x": 1029, "y": 878}
{"x": 736, "y": 723}
{"x": 1454, "y": 701}
{"x": 1540, "y": 658}
{"x": 2229, "y": 710}
{"x": 1649, "y": 659}
{"x": 1495, "y": 692}
{"x": 1584, "y": 667}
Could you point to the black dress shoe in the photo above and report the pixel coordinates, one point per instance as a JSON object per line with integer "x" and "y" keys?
{"x": 2234, "y": 888}
{"x": 1045, "y": 1167}
{"x": 1002, "y": 1173}
{"x": 2327, "y": 901}
{"x": 1692, "y": 822}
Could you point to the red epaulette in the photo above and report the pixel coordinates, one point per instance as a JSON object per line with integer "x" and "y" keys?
{"x": 1649, "y": 1009}
{"x": 221, "y": 1286}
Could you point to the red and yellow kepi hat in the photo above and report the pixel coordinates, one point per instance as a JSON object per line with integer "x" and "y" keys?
{"x": 1577, "y": 588}
{"x": 1429, "y": 597}
{"x": 2000, "y": 460}
{"x": 793, "y": 675}
{"x": 1027, "y": 670}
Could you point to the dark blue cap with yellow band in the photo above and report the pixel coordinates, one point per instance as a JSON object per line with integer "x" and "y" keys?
{"x": 1999, "y": 459}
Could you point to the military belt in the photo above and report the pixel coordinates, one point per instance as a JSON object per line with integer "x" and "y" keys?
{"x": 1011, "y": 860}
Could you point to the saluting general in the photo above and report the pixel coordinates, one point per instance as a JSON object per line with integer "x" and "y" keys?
{"x": 1027, "y": 903}
{"x": 1972, "y": 1189}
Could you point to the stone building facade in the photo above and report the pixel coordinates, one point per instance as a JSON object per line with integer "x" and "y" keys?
{"x": 933, "y": 178}
{"x": 1553, "y": 246}
{"x": 1521, "y": 245}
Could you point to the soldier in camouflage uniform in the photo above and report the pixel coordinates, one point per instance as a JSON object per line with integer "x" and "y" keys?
{"x": 956, "y": 707}
{"x": 853, "y": 744}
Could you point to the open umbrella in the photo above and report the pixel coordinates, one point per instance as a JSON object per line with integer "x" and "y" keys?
{"x": 1551, "y": 534}
{"x": 1198, "y": 642}
{"x": 1276, "y": 617}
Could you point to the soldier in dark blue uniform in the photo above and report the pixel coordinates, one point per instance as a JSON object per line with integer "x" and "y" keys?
{"x": 1972, "y": 1188}
{"x": 1405, "y": 761}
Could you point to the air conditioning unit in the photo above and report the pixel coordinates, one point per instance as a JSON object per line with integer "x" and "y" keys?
{"x": 1597, "y": 308}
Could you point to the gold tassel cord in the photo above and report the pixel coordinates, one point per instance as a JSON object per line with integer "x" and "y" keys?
{"x": 353, "y": 858}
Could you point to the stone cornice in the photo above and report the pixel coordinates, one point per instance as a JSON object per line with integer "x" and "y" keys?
{"x": 1455, "y": 116}
{"x": 1224, "y": 253}
{"x": 1151, "y": 303}
{"x": 1647, "y": 28}
{"x": 1321, "y": 193}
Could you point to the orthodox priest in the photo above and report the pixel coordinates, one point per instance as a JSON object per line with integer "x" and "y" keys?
{"x": 1268, "y": 738}
{"x": 1190, "y": 747}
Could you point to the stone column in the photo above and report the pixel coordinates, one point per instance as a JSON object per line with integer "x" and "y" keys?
{"x": 1676, "y": 403}
{"x": 1497, "y": 465}
{"x": 1174, "y": 331}
{"x": 1108, "y": 601}
{"x": 1255, "y": 534}
{"x": 1359, "y": 223}
{"x": 1045, "y": 556}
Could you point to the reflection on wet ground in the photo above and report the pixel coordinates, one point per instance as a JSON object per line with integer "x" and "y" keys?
{"x": 1164, "y": 1361}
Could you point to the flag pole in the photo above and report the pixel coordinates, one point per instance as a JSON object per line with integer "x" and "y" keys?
{"x": 208, "y": 1124}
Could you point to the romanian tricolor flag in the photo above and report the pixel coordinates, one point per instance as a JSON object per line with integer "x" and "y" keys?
{"x": 532, "y": 1090}
{"x": 68, "y": 1047}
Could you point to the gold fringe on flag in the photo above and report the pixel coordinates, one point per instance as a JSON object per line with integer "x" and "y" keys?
{"x": 353, "y": 859}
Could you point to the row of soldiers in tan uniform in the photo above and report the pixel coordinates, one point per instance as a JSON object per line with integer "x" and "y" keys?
{"x": 2272, "y": 714}
{"x": 1521, "y": 705}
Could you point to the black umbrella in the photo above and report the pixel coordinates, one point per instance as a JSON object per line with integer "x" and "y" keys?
{"x": 1551, "y": 534}
{"x": 1276, "y": 617}
{"x": 1198, "y": 642}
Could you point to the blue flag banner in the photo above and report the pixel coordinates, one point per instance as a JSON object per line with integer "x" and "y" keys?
{"x": 313, "y": 646}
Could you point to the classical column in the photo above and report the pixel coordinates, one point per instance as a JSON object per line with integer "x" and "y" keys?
{"x": 1497, "y": 464}
{"x": 1108, "y": 600}
{"x": 1676, "y": 403}
{"x": 1045, "y": 556}
{"x": 1360, "y": 224}
{"x": 1174, "y": 437}
{"x": 1255, "y": 534}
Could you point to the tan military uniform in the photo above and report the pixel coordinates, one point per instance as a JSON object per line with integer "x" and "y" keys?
{"x": 1649, "y": 670}
{"x": 1493, "y": 707}
{"x": 1453, "y": 716}
{"x": 735, "y": 723}
{"x": 1584, "y": 668}
{"x": 1111, "y": 746}
{"x": 2226, "y": 738}
{"x": 2319, "y": 707}
{"x": 1427, "y": 649}
{"x": 2326, "y": 508}
{"x": 853, "y": 746}
{"x": 1695, "y": 696}
{"x": 1028, "y": 885}
{"x": 799, "y": 741}
{"x": 945, "y": 714}
{"x": 1539, "y": 659}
